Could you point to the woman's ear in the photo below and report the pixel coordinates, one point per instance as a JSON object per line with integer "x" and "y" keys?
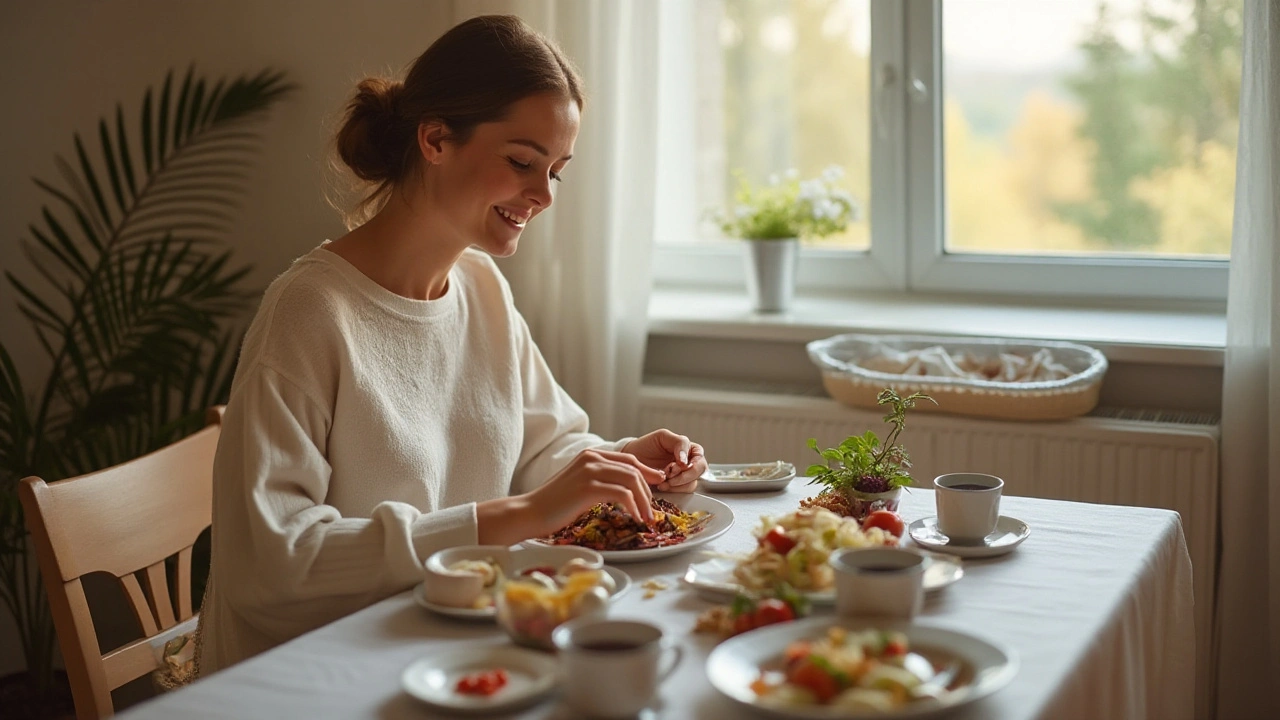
{"x": 431, "y": 138}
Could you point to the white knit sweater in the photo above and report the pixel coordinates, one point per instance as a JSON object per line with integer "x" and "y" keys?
{"x": 361, "y": 431}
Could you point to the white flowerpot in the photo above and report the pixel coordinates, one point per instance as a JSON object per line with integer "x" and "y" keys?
{"x": 771, "y": 273}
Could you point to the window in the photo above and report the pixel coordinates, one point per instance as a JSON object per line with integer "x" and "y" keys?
{"x": 1073, "y": 147}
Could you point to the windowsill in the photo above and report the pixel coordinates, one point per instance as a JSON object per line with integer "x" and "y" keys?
{"x": 1186, "y": 336}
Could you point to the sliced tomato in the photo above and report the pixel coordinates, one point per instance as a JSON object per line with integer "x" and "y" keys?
{"x": 778, "y": 539}
{"x": 483, "y": 683}
{"x": 886, "y": 520}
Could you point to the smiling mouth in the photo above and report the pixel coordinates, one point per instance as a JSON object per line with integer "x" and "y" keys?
{"x": 512, "y": 220}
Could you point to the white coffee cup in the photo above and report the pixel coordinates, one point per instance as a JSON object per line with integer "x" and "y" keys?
{"x": 968, "y": 506}
{"x": 880, "y": 582}
{"x": 612, "y": 668}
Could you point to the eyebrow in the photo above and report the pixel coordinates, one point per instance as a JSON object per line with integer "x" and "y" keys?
{"x": 537, "y": 146}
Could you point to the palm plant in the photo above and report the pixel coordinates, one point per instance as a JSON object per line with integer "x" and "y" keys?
{"x": 137, "y": 296}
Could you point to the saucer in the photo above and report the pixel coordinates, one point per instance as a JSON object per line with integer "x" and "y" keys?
{"x": 1009, "y": 533}
{"x": 433, "y": 680}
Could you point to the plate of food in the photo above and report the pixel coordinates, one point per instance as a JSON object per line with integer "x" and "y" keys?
{"x": 462, "y": 581}
{"x": 748, "y": 477}
{"x": 713, "y": 579}
{"x": 616, "y": 584}
{"x": 682, "y": 521}
{"x": 490, "y": 679}
{"x": 793, "y": 549}
{"x": 827, "y": 668}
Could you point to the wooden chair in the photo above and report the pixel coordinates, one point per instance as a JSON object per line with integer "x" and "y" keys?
{"x": 124, "y": 520}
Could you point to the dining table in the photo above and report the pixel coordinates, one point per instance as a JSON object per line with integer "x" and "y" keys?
{"x": 1096, "y": 605}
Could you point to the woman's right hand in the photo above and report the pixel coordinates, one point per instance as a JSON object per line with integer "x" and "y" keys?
{"x": 595, "y": 476}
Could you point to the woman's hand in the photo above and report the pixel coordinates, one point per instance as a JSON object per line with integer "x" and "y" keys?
{"x": 595, "y": 476}
{"x": 681, "y": 461}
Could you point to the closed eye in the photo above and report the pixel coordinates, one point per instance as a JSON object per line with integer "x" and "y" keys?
{"x": 523, "y": 167}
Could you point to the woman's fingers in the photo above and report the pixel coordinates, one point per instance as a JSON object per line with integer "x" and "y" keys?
{"x": 651, "y": 476}
{"x": 608, "y": 492}
{"x": 627, "y": 476}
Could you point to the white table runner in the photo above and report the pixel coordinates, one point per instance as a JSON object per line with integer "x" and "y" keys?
{"x": 1097, "y": 602}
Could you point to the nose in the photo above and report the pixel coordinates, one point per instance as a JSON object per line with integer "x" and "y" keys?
{"x": 539, "y": 192}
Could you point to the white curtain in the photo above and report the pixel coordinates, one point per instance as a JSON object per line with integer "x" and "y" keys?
{"x": 1248, "y": 657}
{"x": 581, "y": 276}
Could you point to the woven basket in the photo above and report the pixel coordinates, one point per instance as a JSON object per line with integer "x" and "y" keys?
{"x": 848, "y": 382}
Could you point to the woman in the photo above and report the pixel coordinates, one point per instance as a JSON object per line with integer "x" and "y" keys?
{"x": 389, "y": 400}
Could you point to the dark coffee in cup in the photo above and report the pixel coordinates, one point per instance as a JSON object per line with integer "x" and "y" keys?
{"x": 970, "y": 486}
{"x": 610, "y": 646}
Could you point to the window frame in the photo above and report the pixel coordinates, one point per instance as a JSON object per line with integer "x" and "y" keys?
{"x": 907, "y": 207}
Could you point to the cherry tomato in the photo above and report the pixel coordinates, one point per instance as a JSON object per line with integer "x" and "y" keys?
{"x": 816, "y": 680}
{"x": 778, "y": 539}
{"x": 886, "y": 520}
{"x": 772, "y": 611}
{"x": 746, "y": 622}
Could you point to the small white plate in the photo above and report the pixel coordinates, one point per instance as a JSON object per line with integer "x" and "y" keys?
{"x": 713, "y": 579}
{"x": 530, "y": 677}
{"x": 621, "y": 583}
{"x": 720, "y": 522}
{"x": 729, "y": 479}
{"x": 1009, "y": 534}
{"x": 735, "y": 663}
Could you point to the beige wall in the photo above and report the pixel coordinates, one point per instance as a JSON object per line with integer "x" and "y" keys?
{"x": 65, "y": 63}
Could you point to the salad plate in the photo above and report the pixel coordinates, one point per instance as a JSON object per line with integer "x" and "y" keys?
{"x": 713, "y": 579}
{"x": 530, "y": 675}
{"x": 718, "y": 524}
{"x": 1009, "y": 534}
{"x": 621, "y": 584}
{"x": 748, "y": 477}
{"x": 983, "y": 666}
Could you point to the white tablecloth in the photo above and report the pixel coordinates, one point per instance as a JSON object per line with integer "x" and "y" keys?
{"x": 1097, "y": 602}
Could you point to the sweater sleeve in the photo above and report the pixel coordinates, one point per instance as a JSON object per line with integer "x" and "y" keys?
{"x": 555, "y": 427}
{"x": 287, "y": 562}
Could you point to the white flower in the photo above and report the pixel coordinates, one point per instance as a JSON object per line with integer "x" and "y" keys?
{"x": 833, "y": 173}
{"x": 811, "y": 190}
{"x": 792, "y": 174}
{"x": 774, "y": 179}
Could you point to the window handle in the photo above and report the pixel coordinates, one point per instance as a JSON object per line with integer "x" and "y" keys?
{"x": 918, "y": 91}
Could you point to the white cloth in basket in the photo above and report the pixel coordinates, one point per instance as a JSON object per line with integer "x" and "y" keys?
{"x": 937, "y": 362}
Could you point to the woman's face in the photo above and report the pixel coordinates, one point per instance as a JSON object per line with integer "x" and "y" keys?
{"x": 505, "y": 174}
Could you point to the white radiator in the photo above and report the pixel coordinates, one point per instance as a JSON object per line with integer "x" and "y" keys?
{"x": 1165, "y": 461}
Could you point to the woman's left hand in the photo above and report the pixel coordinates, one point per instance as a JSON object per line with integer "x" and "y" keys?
{"x": 679, "y": 459}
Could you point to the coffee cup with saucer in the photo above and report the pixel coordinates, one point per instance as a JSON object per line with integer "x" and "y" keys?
{"x": 969, "y": 523}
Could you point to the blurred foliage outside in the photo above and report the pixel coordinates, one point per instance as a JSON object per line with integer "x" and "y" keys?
{"x": 1130, "y": 149}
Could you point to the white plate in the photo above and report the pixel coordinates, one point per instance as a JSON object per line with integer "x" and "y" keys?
{"x": 713, "y": 480}
{"x": 720, "y": 522}
{"x": 713, "y": 579}
{"x": 530, "y": 676}
{"x": 736, "y": 662}
{"x": 621, "y": 582}
{"x": 1009, "y": 534}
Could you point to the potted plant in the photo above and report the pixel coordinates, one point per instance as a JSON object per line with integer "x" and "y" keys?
{"x": 773, "y": 218}
{"x": 861, "y": 474}
{"x": 130, "y": 296}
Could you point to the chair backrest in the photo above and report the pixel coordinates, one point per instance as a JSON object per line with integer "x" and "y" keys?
{"x": 125, "y": 520}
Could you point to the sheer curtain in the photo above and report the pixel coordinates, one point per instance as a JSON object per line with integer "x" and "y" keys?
{"x": 581, "y": 277}
{"x": 1248, "y": 658}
